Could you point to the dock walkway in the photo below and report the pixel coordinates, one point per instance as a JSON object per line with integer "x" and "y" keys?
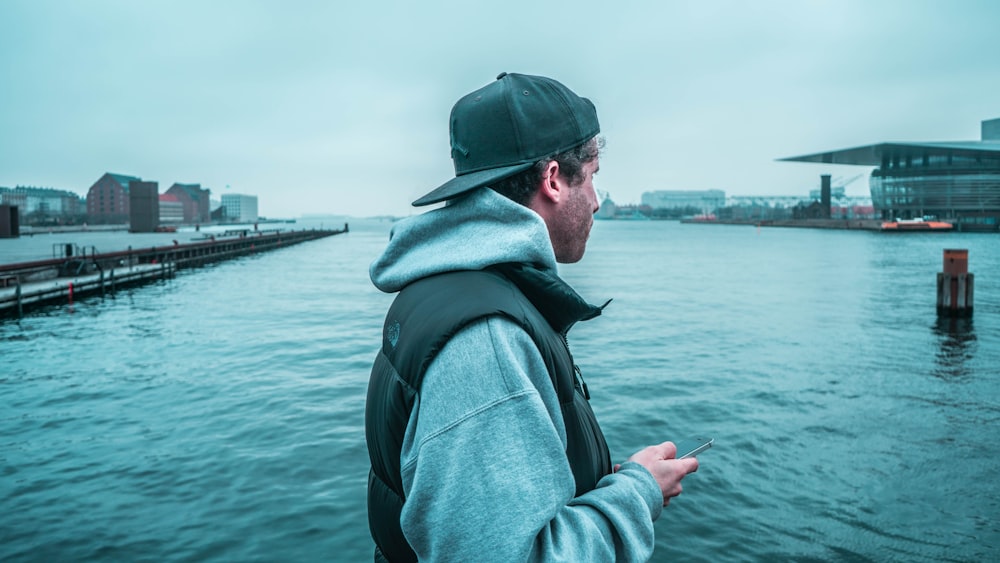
{"x": 27, "y": 285}
{"x": 15, "y": 300}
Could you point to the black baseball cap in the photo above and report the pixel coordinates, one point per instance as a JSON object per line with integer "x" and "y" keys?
{"x": 508, "y": 125}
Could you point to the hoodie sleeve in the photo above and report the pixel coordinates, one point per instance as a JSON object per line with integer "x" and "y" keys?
{"x": 485, "y": 471}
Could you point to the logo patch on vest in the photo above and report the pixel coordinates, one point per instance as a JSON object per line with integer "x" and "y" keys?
{"x": 392, "y": 333}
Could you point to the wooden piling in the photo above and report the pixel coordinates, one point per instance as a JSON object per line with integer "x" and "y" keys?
{"x": 17, "y": 296}
{"x": 955, "y": 285}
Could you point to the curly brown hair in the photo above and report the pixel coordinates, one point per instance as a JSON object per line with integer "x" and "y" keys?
{"x": 521, "y": 187}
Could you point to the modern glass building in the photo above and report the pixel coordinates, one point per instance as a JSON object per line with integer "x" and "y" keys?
{"x": 954, "y": 181}
{"x": 240, "y": 208}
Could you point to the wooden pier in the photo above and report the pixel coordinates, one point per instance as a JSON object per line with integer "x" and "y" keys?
{"x": 28, "y": 285}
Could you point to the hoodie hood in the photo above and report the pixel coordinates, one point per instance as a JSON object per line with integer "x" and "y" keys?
{"x": 470, "y": 233}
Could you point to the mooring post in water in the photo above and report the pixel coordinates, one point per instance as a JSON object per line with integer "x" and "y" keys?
{"x": 954, "y": 285}
{"x": 71, "y": 293}
{"x": 17, "y": 295}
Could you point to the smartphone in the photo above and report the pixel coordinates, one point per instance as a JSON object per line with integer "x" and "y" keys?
{"x": 692, "y": 446}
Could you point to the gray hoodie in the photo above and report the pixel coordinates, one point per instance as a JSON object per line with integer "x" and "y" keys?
{"x": 484, "y": 466}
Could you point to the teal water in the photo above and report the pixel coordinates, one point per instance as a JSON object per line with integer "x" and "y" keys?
{"x": 219, "y": 415}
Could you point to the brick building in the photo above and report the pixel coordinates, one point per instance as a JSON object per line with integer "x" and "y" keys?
{"x": 108, "y": 199}
{"x": 197, "y": 208}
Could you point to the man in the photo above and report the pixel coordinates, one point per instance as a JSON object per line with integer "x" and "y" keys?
{"x": 482, "y": 440}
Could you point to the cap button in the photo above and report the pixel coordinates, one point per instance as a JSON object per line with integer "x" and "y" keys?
{"x": 501, "y": 75}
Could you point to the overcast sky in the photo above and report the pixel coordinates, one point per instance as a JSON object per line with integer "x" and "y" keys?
{"x": 342, "y": 108}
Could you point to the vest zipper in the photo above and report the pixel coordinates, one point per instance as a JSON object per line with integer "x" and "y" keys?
{"x": 586, "y": 392}
{"x": 577, "y": 374}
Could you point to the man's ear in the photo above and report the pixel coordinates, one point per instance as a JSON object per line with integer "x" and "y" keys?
{"x": 551, "y": 189}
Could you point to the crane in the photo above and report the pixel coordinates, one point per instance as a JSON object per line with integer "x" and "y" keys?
{"x": 840, "y": 182}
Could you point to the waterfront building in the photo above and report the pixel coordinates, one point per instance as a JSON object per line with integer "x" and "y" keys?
{"x": 171, "y": 210}
{"x": 704, "y": 201}
{"x": 40, "y": 205}
{"x": 958, "y": 181}
{"x": 240, "y": 208}
{"x": 758, "y": 207}
{"x": 107, "y": 199}
{"x": 842, "y": 206}
{"x": 766, "y": 201}
{"x": 678, "y": 204}
{"x": 194, "y": 200}
{"x": 9, "y": 197}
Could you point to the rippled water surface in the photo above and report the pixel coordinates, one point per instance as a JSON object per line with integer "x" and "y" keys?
{"x": 219, "y": 415}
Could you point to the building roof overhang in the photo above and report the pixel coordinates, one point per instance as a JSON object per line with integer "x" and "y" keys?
{"x": 871, "y": 155}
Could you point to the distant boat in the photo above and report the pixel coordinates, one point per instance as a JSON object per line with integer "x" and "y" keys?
{"x": 922, "y": 225}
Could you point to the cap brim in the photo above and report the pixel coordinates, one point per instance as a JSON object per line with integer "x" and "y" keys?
{"x": 467, "y": 182}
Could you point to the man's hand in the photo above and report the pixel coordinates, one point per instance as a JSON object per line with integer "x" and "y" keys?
{"x": 667, "y": 471}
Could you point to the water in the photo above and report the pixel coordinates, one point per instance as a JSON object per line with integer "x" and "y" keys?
{"x": 219, "y": 415}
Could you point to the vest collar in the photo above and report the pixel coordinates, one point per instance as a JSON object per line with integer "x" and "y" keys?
{"x": 559, "y": 303}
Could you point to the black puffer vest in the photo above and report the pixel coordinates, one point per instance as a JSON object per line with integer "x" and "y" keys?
{"x": 421, "y": 320}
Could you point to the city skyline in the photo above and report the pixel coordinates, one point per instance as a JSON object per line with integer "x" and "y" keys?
{"x": 316, "y": 108}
